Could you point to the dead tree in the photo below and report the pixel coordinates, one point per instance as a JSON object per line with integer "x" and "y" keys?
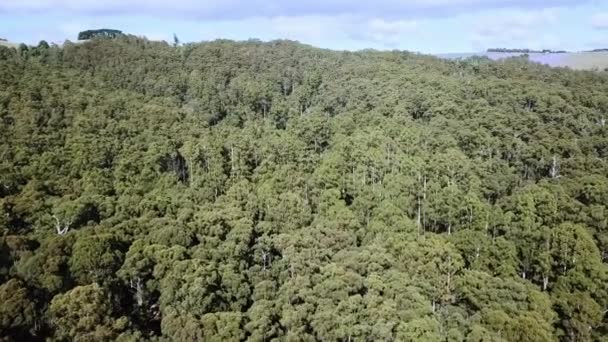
{"x": 266, "y": 260}
{"x": 554, "y": 171}
{"x": 139, "y": 291}
{"x": 62, "y": 228}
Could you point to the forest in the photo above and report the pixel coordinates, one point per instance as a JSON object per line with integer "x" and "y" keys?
{"x": 101, "y": 33}
{"x": 274, "y": 191}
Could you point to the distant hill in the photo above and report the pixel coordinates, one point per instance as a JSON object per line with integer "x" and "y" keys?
{"x": 503, "y": 50}
{"x": 5, "y": 42}
{"x": 586, "y": 60}
{"x": 596, "y": 60}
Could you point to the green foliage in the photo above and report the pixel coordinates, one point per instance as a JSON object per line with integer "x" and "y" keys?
{"x": 229, "y": 191}
{"x": 17, "y": 312}
{"x": 84, "y": 314}
{"x": 101, "y": 33}
{"x": 95, "y": 259}
{"x": 47, "y": 267}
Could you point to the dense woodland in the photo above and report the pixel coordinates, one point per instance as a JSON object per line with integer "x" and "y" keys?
{"x": 255, "y": 191}
{"x": 101, "y": 33}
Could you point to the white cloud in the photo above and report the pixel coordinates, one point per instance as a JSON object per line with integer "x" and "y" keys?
{"x": 517, "y": 29}
{"x": 387, "y": 32}
{"x": 307, "y": 28}
{"x": 600, "y": 21}
{"x": 314, "y": 29}
{"x": 423, "y": 25}
{"x": 597, "y": 43}
{"x": 238, "y": 9}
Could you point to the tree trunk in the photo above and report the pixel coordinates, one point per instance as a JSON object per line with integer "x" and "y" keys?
{"x": 419, "y": 221}
{"x": 554, "y": 172}
{"x": 231, "y": 159}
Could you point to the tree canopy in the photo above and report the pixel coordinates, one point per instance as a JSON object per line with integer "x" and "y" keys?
{"x": 100, "y": 33}
{"x": 250, "y": 191}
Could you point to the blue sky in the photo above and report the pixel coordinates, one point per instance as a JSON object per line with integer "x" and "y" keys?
{"x": 431, "y": 26}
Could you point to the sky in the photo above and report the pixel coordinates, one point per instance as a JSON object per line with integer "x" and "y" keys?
{"x": 428, "y": 26}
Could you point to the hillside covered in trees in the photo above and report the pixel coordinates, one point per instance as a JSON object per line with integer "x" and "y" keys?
{"x": 255, "y": 191}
